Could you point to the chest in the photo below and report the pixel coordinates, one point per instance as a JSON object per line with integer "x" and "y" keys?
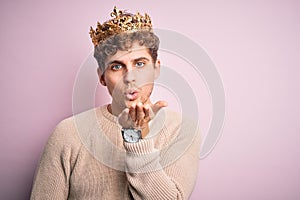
{"x": 91, "y": 179}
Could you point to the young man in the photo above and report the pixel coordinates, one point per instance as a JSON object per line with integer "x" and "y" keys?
{"x": 131, "y": 148}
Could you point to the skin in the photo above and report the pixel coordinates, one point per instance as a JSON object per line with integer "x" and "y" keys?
{"x": 129, "y": 78}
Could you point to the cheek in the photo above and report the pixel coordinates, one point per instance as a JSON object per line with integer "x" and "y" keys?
{"x": 113, "y": 84}
{"x": 146, "y": 77}
{"x": 147, "y": 91}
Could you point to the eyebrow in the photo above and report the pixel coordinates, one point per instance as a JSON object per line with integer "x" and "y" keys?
{"x": 115, "y": 61}
{"x": 121, "y": 63}
{"x": 141, "y": 58}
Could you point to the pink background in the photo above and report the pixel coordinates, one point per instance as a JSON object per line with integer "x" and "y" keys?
{"x": 254, "y": 44}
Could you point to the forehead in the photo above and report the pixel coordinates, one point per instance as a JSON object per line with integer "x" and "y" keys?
{"x": 134, "y": 52}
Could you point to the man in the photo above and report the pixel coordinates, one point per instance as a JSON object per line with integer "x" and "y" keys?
{"x": 131, "y": 148}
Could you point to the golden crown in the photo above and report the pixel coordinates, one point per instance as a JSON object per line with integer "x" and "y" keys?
{"x": 121, "y": 22}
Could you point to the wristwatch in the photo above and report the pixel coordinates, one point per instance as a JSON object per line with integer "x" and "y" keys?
{"x": 131, "y": 135}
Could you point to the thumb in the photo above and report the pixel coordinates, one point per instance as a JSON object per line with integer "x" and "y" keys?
{"x": 158, "y": 105}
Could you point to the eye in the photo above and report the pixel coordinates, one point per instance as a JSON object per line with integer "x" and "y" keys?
{"x": 116, "y": 67}
{"x": 140, "y": 64}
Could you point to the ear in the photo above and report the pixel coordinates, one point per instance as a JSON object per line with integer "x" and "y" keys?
{"x": 157, "y": 69}
{"x": 101, "y": 77}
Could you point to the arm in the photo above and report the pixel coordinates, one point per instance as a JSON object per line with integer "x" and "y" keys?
{"x": 52, "y": 176}
{"x": 166, "y": 174}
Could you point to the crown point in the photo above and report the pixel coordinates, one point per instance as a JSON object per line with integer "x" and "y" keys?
{"x": 119, "y": 24}
{"x": 92, "y": 31}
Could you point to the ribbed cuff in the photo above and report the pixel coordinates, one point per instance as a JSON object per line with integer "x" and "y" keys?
{"x": 144, "y": 146}
{"x": 142, "y": 157}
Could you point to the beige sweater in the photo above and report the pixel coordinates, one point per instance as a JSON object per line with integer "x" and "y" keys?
{"x": 85, "y": 158}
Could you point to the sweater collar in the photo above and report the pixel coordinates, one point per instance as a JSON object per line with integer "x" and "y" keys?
{"x": 107, "y": 114}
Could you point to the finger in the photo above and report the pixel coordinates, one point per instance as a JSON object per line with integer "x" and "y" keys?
{"x": 147, "y": 112}
{"x": 158, "y": 105}
{"x": 132, "y": 112}
{"x": 140, "y": 112}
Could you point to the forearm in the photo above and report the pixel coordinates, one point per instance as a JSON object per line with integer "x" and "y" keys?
{"x": 154, "y": 185}
{"x": 149, "y": 180}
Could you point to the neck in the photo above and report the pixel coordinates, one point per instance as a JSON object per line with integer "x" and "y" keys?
{"x": 115, "y": 108}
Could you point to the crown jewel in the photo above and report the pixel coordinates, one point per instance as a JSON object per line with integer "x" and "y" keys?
{"x": 121, "y": 22}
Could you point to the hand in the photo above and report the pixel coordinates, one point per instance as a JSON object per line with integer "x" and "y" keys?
{"x": 139, "y": 115}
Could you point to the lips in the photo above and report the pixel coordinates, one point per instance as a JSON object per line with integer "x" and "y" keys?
{"x": 131, "y": 94}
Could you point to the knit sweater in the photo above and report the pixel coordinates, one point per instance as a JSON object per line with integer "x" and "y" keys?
{"x": 86, "y": 158}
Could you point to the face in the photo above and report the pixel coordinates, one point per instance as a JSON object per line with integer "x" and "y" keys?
{"x": 129, "y": 77}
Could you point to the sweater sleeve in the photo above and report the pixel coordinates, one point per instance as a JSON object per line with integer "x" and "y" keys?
{"x": 151, "y": 178}
{"x": 52, "y": 176}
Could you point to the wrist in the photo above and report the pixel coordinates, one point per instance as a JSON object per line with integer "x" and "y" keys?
{"x": 145, "y": 130}
{"x": 134, "y": 134}
{"x": 131, "y": 135}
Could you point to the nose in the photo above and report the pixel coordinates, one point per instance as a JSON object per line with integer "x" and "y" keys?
{"x": 130, "y": 75}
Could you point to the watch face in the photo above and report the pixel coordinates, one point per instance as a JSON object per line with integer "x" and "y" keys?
{"x": 131, "y": 135}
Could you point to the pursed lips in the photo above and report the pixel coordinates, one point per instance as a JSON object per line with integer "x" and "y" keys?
{"x": 131, "y": 94}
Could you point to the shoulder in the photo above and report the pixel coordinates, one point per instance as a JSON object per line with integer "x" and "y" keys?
{"x": 176, "y": 120}
{"x": 174, "y": 126}
{"x": 64, "y": 135}
{"x": 67, "y": 132}
{"x": 182, "y": 128}
{"x": 179, "y": 136}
